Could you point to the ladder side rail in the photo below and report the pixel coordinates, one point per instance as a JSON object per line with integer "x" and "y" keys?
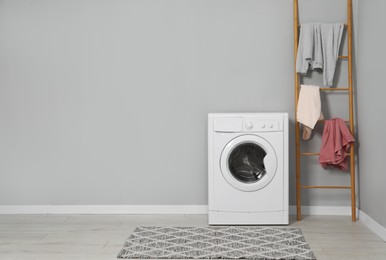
{"x": 351, "y": 108}
{"x": 297, "y": 126}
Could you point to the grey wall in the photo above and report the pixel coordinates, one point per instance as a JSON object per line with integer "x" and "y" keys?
{"x": 371, "y": 105}
{"x": 105, "y": 102}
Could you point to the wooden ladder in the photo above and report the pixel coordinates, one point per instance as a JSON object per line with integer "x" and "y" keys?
{"x": 349, "y": 90}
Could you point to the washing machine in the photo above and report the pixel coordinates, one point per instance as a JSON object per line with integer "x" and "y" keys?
{"x": 248, "y": 168}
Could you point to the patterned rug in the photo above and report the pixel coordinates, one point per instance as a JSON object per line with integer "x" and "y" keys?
{"x": 219, "y": 242}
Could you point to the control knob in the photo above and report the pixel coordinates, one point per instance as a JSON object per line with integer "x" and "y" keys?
{"x": 249, "y": 125}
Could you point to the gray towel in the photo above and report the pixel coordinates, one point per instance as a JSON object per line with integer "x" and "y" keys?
{"x": 319, "y": 48}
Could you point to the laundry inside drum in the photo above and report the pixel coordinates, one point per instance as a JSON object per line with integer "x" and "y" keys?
{"x": 246, "y": 162}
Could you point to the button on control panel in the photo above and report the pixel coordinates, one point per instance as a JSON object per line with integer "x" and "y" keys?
{"x": 249, "y": 125}
{"x": 262, "y": 124}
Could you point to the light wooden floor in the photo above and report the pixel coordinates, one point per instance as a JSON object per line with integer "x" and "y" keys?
{"x": 101, "y": 236}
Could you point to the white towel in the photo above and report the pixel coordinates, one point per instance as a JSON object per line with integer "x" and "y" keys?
{"x": 309, "y": 108}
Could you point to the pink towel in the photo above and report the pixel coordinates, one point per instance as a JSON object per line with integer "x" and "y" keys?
{"x": 336, "y": 143}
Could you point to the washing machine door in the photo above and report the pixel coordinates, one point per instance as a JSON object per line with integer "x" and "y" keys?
{"x": 248, "y": 162}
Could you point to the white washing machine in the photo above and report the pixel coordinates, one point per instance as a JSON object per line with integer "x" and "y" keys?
{"x": 248, "y": 168}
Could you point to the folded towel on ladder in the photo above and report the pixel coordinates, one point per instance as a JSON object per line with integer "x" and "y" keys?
{"x": 318, "y": 48}
{"x": 309, "y": 109}
{"x": 336, "y": 143}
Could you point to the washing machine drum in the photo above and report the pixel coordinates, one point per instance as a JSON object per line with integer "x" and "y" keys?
{"x": 248, "y": 162}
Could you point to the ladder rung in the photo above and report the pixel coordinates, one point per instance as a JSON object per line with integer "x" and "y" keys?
{"x": 343, "y": 24}
{"x": 309, "y": 154}
{"x": 342, "y": 57}
{"x": 316, "y": 154}
{"x": 326, "y": 187}
{"x": 323, "y": 121}
{"x": 334, "y": 89}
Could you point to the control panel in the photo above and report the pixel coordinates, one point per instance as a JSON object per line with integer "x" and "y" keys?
{"x": 262, "y": 124}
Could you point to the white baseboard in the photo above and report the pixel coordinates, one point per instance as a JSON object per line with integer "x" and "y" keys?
{"x": 103, "y": 209}
{"x": 150, "y": 209}
{"x": 373, "y": 225}
{"x": 323, "y": 210}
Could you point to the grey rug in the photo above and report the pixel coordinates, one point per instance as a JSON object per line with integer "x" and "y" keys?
{"x": 220, "y": 242}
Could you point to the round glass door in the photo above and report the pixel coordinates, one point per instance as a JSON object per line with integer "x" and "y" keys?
{"x": 248, "y": 162}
